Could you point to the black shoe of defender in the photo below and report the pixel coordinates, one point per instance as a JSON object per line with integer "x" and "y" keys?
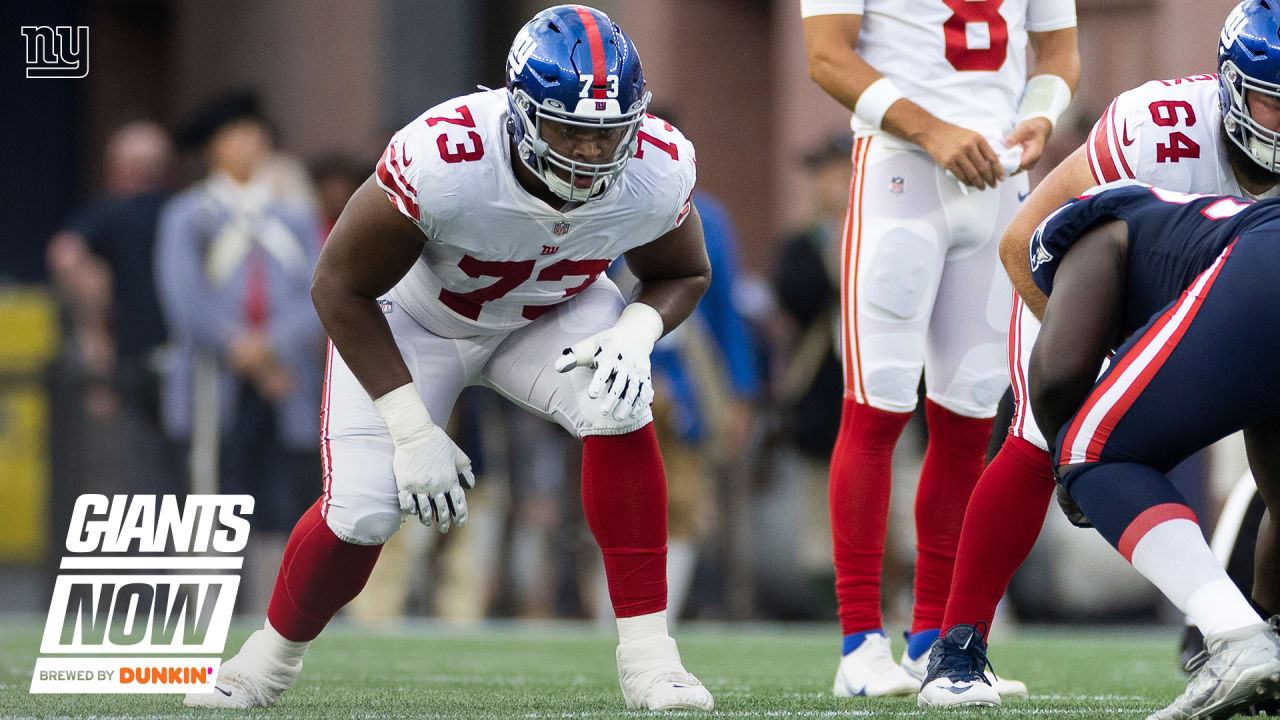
{"x": 956, "y": 676}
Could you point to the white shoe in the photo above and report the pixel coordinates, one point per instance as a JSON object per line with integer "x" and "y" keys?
{"x": 253, "y": 678}
{"x": 870, "y": 671}
{"x": 1005, "y": 687}
{"x": 944, "y": 692}
{"x": 653, "y": 678}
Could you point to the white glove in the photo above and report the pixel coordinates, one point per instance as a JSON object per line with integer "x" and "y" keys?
{"x": 620, "y": 357}
{"x": 430, "y": 469}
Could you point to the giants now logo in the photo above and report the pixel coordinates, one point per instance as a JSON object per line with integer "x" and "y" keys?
{"x": 129, "y": 611}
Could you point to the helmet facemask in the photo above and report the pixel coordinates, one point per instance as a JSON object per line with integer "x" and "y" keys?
{"x": 1259, "y": 142}
{"x": 574, "y": 180}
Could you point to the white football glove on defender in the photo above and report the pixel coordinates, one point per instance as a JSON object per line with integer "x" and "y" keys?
{"x": 430, "y": 469}
{"x": 620, "y": 357}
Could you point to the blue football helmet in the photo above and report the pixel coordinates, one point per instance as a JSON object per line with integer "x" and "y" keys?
{"x": 574, "y": 66}
{"x": 1249, "y": 60}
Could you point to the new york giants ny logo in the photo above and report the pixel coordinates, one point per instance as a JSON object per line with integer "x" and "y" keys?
{"x": 57, "y": 52}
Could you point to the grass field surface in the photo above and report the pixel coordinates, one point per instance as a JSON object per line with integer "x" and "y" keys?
{"x": 566, "y": 671}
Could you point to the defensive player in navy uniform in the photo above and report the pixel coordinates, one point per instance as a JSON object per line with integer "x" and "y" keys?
{"x": 1183, "y": 288}
{"x": 475, "y": 256}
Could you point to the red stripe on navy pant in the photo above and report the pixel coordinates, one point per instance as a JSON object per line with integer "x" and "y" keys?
{"x": 1131, "y": 393}
{"x": 595, "y": 44}
{"x": 1102, "y": 432}
{"x": 1147, "y": 521}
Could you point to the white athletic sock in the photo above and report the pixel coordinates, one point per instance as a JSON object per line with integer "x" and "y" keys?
{"x": 1219, "y": 607}
{"x": 1176, "y": 559}
{"x": 281, "y": 648}
{"x": 642, "y": 626}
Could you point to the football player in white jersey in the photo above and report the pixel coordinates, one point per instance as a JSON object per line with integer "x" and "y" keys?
{"x": 945, "y": 120}
{"x": 1211, "y": 133}
{"x": 486, "y": 267}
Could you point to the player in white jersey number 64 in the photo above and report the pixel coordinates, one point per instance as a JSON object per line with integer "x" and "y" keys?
{"x": 475, "y": 256}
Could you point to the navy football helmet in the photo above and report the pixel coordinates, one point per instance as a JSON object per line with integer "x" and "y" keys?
{"x": 1249, "y": 60}
{"x": 574, "y": 66}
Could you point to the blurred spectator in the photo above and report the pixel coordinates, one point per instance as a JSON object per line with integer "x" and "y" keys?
{"x": 103, "y": 388}
{"x": 234, "y": 261}
{"x": 807, "y": 379}
{"x": 806, "y": 280}
{"x": 101, "y": 265}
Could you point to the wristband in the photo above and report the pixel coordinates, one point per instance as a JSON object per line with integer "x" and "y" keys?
{"x": 874, "y": 102}
{"x": 403, "y": 411}
{"x": 1044, "y": 96}
{"x": 642, "y": 320}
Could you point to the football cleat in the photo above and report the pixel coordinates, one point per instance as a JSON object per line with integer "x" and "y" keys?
{"x": 871, "y": 672}
{"x": 919, "y": 669}
{"x": 1238, "y": 669}
{"x": 653, "y": 678}
{"x": 956, "y": 674}
{"x": 254, "y": 678}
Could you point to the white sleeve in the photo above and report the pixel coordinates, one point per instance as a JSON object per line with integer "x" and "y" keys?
{"x": 1049, "y": 15}
{"x": 809, "y": 8}
{"x": 685, "y": 179}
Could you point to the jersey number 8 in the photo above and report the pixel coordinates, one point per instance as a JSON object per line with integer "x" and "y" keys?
{"x": 966, "y": 14}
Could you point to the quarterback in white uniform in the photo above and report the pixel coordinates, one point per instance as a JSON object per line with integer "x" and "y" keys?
{"x": 1209, "y": 133}
{"x": 945, "y": 120}
{"x": 486, "y": 268}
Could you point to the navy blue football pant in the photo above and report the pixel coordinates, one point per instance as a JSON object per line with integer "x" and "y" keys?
{"x": 1206, "y": 366}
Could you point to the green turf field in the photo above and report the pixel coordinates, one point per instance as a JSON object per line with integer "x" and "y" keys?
{"x": 567, "y": 671}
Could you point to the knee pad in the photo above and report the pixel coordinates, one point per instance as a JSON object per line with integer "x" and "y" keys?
{"x": 367, "y": 526}
{"x": 901, "y": 273}
{"x": 977, "y": 385}
{"x": 892, "y": 388}
{"x": 890, "y": 370}
{"x": 591, "y": 422}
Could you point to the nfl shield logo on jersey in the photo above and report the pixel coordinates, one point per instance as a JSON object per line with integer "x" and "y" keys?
{"x": 560, "y": 228}
{"x": 897, "y": 185}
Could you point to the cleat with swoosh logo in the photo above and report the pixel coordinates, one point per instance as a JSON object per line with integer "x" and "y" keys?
{"x": 956, "y": 674}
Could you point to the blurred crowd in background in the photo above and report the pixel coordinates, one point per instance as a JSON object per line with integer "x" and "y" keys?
{"x": 188, "y": 358}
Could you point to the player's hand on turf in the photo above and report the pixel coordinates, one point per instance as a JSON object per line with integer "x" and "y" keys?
{"x": 1032, "y": 135}
{"x": 621, "y": 364}
{"x": 431, "y": 472}
{"x": 965, "y": 153}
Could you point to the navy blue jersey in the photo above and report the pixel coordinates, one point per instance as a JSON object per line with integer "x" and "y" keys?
{"x": 1173, "y": 237}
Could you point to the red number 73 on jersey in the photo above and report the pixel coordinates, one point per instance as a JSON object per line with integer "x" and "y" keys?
{"x": 511, "y": 274}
